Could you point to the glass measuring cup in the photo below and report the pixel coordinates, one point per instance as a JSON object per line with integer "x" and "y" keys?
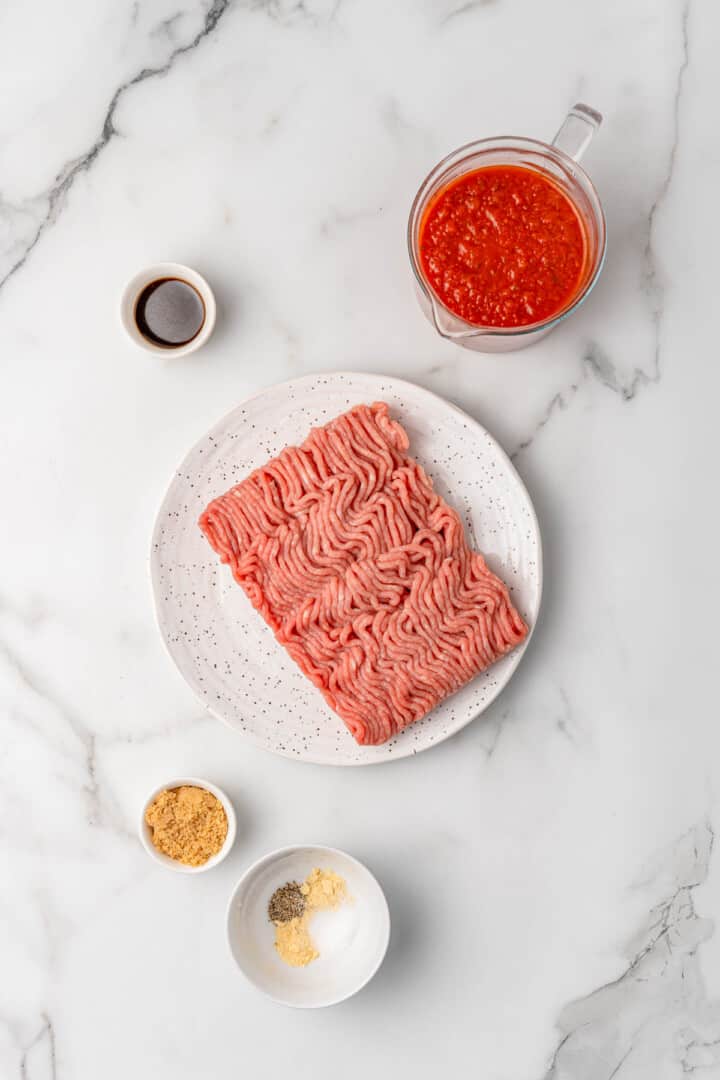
{"x": 559, "y": 161}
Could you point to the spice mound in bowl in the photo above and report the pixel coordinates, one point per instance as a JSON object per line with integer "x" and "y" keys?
{"x": 291, "y": 909}
{"x": 189, "y": 825}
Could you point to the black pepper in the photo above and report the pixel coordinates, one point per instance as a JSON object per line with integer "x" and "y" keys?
{"x": 286, "y": 903}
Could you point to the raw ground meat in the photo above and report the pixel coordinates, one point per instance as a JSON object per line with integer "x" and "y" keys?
{"x": 364, "y": 574}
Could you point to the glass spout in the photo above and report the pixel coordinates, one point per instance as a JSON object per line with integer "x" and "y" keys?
{"x": 446, "y": 324}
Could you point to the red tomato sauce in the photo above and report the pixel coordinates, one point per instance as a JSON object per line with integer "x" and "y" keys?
{"x": 503, "y": 246}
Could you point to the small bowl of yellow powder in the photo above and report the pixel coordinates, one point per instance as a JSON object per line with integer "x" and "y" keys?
{"x": 188, "y": 825}
{"x": 308, "y": 926}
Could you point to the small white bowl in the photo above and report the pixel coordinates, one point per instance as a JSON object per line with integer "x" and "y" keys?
{"x": 352, "y": 940}
{"x": 135, "y": 286}
{"x": 173, "y": 864}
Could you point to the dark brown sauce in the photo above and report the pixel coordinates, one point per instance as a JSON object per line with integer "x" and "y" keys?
{"x": 170, "y": 312}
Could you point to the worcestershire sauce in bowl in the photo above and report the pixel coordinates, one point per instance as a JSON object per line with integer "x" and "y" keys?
{"x": 170, "y": 312}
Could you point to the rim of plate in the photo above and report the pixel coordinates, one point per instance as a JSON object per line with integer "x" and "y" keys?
{"x": 309, "y": 757}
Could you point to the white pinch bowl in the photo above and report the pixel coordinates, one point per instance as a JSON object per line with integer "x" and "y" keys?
{"x": 174, "y": 864}
{"x": 352, "y": 939}
{"x": 131, "y": 294}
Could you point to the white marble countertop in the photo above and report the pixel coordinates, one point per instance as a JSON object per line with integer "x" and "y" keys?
{"x": 550, "y": 870}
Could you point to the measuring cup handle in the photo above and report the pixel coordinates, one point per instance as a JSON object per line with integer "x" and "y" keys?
{"x": 577, "y": 130}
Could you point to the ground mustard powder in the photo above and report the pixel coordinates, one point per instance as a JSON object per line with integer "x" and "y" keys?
{"x": 323, "y": 889}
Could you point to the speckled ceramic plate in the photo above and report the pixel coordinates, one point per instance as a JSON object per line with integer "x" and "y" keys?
{"x": 222, "y": 646}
